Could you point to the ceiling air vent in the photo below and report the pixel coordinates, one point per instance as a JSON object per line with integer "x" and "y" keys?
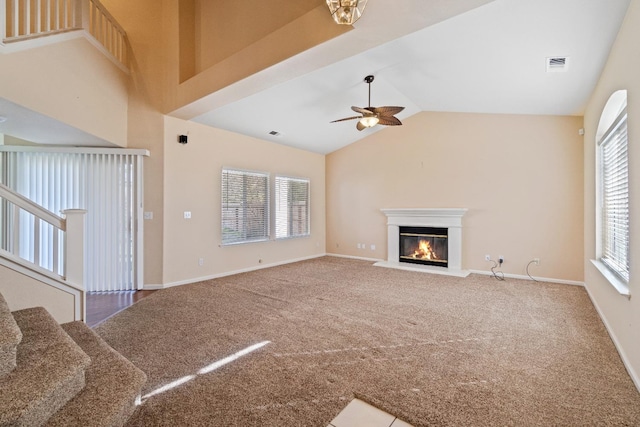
{"x": 274, "y": 133}
{"x": 557, "y": 64}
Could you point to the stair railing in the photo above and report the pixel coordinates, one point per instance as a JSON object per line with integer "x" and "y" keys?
{"x": 28, "y": 19}
{"x": 67, "y": 266}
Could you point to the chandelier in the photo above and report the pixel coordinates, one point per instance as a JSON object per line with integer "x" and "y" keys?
{"x": 346, "y": 12}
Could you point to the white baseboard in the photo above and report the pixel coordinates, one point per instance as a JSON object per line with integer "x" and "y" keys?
{"x": 355, "y": 257}
{"x": 539, "y": 279}
{"x": 227, "y": 273}
{"x": 625, "y": 360}
{"x": 486, "y": 273}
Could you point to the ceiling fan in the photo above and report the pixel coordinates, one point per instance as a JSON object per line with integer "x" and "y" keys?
{"x": 371, "y": 116}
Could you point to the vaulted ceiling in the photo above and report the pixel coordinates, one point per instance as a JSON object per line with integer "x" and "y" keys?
{"x": 480, "y": 56}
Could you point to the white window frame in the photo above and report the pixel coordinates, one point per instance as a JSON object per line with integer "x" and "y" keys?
{"x": 244, "y": 209}
{"x": 613, "y": 184}
{"x": 284, "y": 216}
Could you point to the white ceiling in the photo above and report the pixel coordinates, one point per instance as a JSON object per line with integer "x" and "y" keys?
{"x": 489, "y": 59}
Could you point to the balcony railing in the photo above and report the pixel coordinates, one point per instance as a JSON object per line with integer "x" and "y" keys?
{"x": 30, "y": 19}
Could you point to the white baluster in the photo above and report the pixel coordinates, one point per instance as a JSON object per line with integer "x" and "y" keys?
{"x": 36, "y": 241}
{"x": 3, "y": 22}
{"x": 55, "y": 252}
{"x": 16, "y": 18}
{"x": 15, "y": 248}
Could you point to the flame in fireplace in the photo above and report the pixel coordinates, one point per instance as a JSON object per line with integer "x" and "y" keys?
{"x": 424, "y": 251}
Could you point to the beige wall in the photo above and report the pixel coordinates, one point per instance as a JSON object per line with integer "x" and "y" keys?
{"x": 143, "y": 20}
{"x": 21, "y": 292}
{"x": 59, "y": 81}
{"x": 622, "y": 315}
{"x": 225, "y": 28}
{"x": 519, "y": 176}
{"x": 256, "y": 46}
{"x": 192, "y": 182}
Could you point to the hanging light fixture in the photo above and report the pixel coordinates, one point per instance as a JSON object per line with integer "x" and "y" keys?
{"x": 346, "y": 12}
{"x": 369, "y": 121}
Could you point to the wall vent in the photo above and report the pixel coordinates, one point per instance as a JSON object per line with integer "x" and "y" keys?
{"x": 556, "y": 64}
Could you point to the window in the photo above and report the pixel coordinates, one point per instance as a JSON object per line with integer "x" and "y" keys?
{"x": 614, "y": 196}
{"x": 245, "y": 206}
{"x": 292, "y": 207}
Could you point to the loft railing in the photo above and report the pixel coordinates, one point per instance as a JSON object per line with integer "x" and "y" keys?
{"x": 48, "y": 244}
{"x": 30, "y": 19}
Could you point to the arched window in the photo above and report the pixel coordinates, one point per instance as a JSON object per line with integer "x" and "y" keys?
{"x": 613, "y": 180}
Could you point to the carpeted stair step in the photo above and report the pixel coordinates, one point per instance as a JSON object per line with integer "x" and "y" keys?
{"x": 113, "y": 384}
{"x": 49, "y": 372}
{"x": 10, "y": 337}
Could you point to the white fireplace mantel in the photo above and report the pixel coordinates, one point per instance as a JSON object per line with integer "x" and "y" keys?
{"x": 450, "y": 218}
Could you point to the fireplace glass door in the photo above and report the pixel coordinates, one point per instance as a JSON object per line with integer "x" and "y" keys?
{"x": 424, "y": 245}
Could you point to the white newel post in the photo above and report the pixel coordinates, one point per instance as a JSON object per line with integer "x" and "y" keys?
{"x": 74, "y": 246}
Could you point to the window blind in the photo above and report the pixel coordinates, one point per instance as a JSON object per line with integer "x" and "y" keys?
{"x": 245, "y": 206}
{"x": 614, "y": 182}
{"x": 292, "y": 207}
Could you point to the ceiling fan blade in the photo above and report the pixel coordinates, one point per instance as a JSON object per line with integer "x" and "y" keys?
{"x": 387, "y": 110}
{"x": 360, "y": 126}
{"x": 346, "y": 118}
{"x": 363, "y": 111}
{"x": 388, "y": 121}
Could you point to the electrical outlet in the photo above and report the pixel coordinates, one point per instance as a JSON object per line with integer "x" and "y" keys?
{"x": 187, "y": 214}
{"x": 536, "y": 261}
{"x": 501, "y": 259}
{"x": 487, "y": 257}
{"x": 373, "y": 247}
{"x": 201, "y": 261}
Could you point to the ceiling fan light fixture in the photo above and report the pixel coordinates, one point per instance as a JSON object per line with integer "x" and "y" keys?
{"x": 346, "y": 12}
{"x": 369, "y": 121}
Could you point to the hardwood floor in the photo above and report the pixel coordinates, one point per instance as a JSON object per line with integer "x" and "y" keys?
{"x": 102, "y": 305}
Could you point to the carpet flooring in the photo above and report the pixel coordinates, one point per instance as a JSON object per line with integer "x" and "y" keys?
{"x": 292, "y": 345}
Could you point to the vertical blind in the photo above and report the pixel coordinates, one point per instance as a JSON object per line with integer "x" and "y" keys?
{"x": 245, "y": 206}
{"x": 108, "y": 186}
{"x": 615, "y": 197}
{"x": 292, "y": 207}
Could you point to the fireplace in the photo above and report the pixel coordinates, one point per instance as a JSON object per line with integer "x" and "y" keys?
{"x": 425, "y": 239}
{"x": 423, "y": 245}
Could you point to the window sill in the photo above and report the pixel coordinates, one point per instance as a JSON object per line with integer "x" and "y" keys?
{"x": 620, "y": 285}
{"x": 299, "y": 236}
{"x": 242, "y": 242}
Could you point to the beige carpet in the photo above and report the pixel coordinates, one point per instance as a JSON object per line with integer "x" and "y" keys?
{"x": 432, "y": 350}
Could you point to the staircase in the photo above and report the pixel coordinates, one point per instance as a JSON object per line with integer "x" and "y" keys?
{"x": 61, "y": 375}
